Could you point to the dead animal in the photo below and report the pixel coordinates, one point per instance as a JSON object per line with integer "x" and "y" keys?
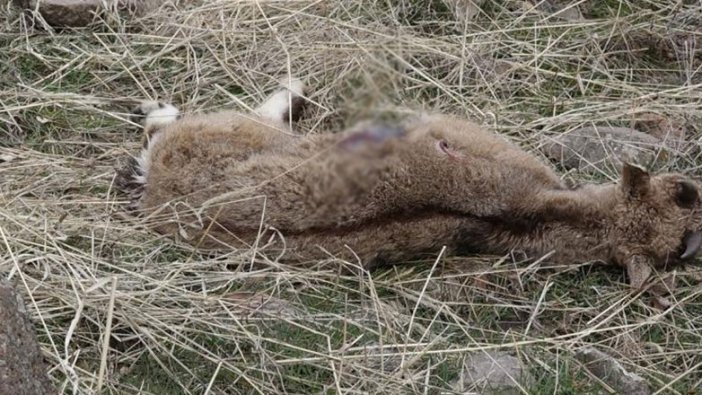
{"x": 379, "y": 193}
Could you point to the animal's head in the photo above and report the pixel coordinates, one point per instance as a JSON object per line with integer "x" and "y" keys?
{"x": 658, "y": 218}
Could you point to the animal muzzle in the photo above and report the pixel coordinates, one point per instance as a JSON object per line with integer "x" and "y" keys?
{"x": 692, "y": 243}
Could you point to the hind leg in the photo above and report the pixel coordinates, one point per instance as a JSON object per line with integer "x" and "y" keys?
{"x": 281, "y": 108}
{"x": 131, "y": 174}
{"x": 153, "y": 116}
{"x": 285, "y": 105}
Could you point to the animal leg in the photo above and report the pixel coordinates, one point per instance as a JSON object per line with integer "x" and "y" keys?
{"x": 131, "y": 175}
{"x": 285, "y": 105}
{"x": 638, "y": 271}
{"x": 660, "y": 291}
{"x": 153, "y": 116}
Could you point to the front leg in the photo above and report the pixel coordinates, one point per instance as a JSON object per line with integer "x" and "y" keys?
{"x": 639, "y": 270}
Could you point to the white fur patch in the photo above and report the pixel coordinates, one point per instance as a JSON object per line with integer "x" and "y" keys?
{"x": 132, "y": 178}
{"x": 144, "y": 160}
{"x": 157, "y": 115}
{"x": 278, "y": 103}
{"x": 161, "y": 116}
{"x": 296, "y": 86}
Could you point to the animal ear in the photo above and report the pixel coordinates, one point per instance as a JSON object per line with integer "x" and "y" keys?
{"x": 686, "y": 194}
{"x": 635, "y": 180}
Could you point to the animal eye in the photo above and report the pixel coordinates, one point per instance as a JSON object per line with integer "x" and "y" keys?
{"x": 686, "y": 194}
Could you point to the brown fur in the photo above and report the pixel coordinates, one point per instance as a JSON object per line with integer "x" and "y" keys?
{"x": 230, "y": 180}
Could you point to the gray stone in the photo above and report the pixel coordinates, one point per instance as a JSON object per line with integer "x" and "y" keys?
{"x": 7, "y": 158}
{"x": 77, "y": 13}
{"x": 493, "y": 373}
{"x": 22, "y": 368}
{"x": 464, "y": 10}
{"x": 610, "y": 371}
{"x": 382, "y": 359}
{"x": 560, "y": 9}
{"x": 669, "y": 130}
{"x": 593, "y": 149}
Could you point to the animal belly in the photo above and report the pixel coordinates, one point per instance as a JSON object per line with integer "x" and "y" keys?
{"x": 389, "y": 239}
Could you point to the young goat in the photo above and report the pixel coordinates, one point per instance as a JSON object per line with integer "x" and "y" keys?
{"x": 384, "y": 194}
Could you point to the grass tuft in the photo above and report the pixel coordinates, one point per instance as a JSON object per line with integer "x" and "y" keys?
{"x": 180, "y": 321}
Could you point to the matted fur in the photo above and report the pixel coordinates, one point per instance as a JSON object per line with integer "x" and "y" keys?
{"x": 386, "y": 194}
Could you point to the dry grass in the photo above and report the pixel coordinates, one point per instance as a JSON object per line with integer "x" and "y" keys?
{"x": 120, "y": 310}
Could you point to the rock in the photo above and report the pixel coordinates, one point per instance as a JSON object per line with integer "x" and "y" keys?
{"x": 77, "y": 13}
{"x": 260, "y": 305}
{"x": 385, "y": 359}
{"x": 464, "y": 10}
{"x": 669, "y": 131}
{"x": 22, "y": 368}
{"x": 7, "y": 158}
{"x": 610, "y": 371}
{"x": 593, "y": 149}
{"x": 560, "y": 9}
{"x": 493, "y": 373}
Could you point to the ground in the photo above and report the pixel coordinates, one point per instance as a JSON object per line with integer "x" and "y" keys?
{"x": 119, "y": 309}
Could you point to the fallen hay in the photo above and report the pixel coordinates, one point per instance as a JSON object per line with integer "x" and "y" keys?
{"x": 119, "y": 309}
